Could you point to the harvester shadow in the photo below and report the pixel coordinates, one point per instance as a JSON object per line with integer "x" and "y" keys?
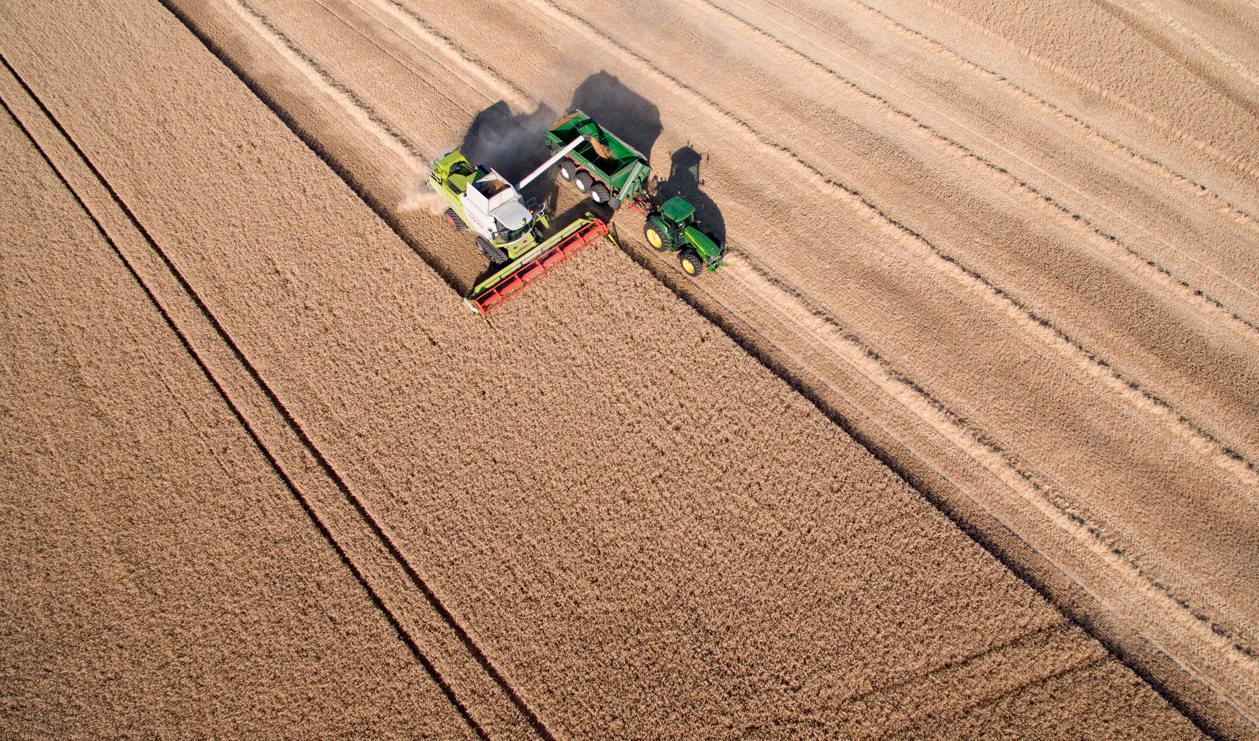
{"x": 511, "y": 143}
{"x": 684, "y": 180}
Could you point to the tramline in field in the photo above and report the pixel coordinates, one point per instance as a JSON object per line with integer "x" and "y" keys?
{"x": 519, "y": 240}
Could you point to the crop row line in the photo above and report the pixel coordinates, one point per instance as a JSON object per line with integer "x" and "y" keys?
{"x": 1175, "y": 132}
{"x": 984, "y": 440}
{"x": 254, "y": 437}
{"x": 325, "y": 465}
{"x": 1031, "y": 320}
{"x": 1143, "y": 262}
{"x": 1057, "y": 111}
{"x": 966, "y": 435}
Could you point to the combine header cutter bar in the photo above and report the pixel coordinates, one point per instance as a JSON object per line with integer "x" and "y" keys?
{"x": 495, "y": 290}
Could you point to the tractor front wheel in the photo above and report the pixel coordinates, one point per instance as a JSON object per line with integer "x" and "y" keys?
{"x": 583, "y": 181}
{"x": 568, "y": 170}
{"x": 690, "y": 263}
{"x": 453, "y": 220}
{"x": 656, "y": 235}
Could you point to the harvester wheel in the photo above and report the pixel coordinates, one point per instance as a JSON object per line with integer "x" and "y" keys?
{"x": 583, "y": 181}
{"x": 656, "y": 235}
{"x": 492, "y": 253}
{"x": 599, "y": 193}
{"x": 568, "y": 169}
{"x": 690, "y": 262}
{"x": 453, "y": 220}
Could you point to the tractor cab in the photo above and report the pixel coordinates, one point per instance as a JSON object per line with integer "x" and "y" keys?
{"x": 673, "y": 228}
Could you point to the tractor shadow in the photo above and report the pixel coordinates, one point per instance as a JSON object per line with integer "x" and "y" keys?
{"x": 685, "y": 180}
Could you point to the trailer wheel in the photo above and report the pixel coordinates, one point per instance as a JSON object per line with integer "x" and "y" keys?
{"x": 492, "y": 253}
{"x": 583, "y": 181}
{"x": 690, "y": 263}
{"x": 453, "y": 220}
{"x": 568, "y": 169}
{"x": 599, "y": 193}
{"x": 656, "y": 235}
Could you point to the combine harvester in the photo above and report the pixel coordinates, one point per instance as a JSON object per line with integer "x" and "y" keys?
{"x": 518, "y": 239}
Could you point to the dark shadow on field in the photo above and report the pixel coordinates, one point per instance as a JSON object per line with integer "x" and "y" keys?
{"x": 685, "y": 180}
{"x": 511, "y": 143}
{"x": 617, "y": 108}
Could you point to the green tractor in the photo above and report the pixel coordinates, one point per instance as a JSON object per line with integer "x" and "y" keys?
{"x": 673, "y": 228}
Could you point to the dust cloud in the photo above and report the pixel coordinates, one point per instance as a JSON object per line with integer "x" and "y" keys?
{"x": 420, "y": 197}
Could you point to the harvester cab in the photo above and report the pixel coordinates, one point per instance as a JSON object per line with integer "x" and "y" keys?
{"x": 484, "y": 202}
{"x": 673, "y": 227}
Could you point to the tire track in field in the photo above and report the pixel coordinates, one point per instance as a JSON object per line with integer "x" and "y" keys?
{"x": 1147, "y": 28}
{"x": 307, "y": 508}
{"x": 479, "y": 69}
{"x": 290, "y": 421}
{"x": 326, "y": 83}
{"x": 1199, "y": 41}
{"x": 1221, "y": 454}
{"x": 918, "y": 678}
{"x": 992, "y": 448}
{"x": 1139, "y": 263}
{"x": 1235, "y": 162}
{"x": 385, "y": 212}
{"x": 1082, "y": 666}
{"x": 837, "y": 340}
{"x": 1149, "y": 164}
{"x": 1014, "y": 465}
{"x": 410, "y": 69}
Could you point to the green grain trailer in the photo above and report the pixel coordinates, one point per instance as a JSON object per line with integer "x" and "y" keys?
{"x": 603, "y": 166}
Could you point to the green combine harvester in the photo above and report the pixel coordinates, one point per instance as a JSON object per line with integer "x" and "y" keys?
{"x": 483, "y": 202}
{"x": 518, "y": 240}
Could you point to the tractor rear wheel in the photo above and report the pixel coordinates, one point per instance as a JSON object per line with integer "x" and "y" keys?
{"x": 599, "y": 193}
{"x": 568, "y": 169}
{"x": 656, "y": 235}
{"x": 583, "y": 181}
{"x": 690, "y": 263}
{"x": 453, "y": 220}
{"x": 492, "y": 253}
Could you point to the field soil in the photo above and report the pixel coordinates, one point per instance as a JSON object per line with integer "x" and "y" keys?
{"x": 159, "y": 575}
{"x": 965, "y": 288}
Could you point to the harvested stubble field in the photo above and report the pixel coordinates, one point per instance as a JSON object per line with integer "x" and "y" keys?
{"x": 263, "y": 472}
